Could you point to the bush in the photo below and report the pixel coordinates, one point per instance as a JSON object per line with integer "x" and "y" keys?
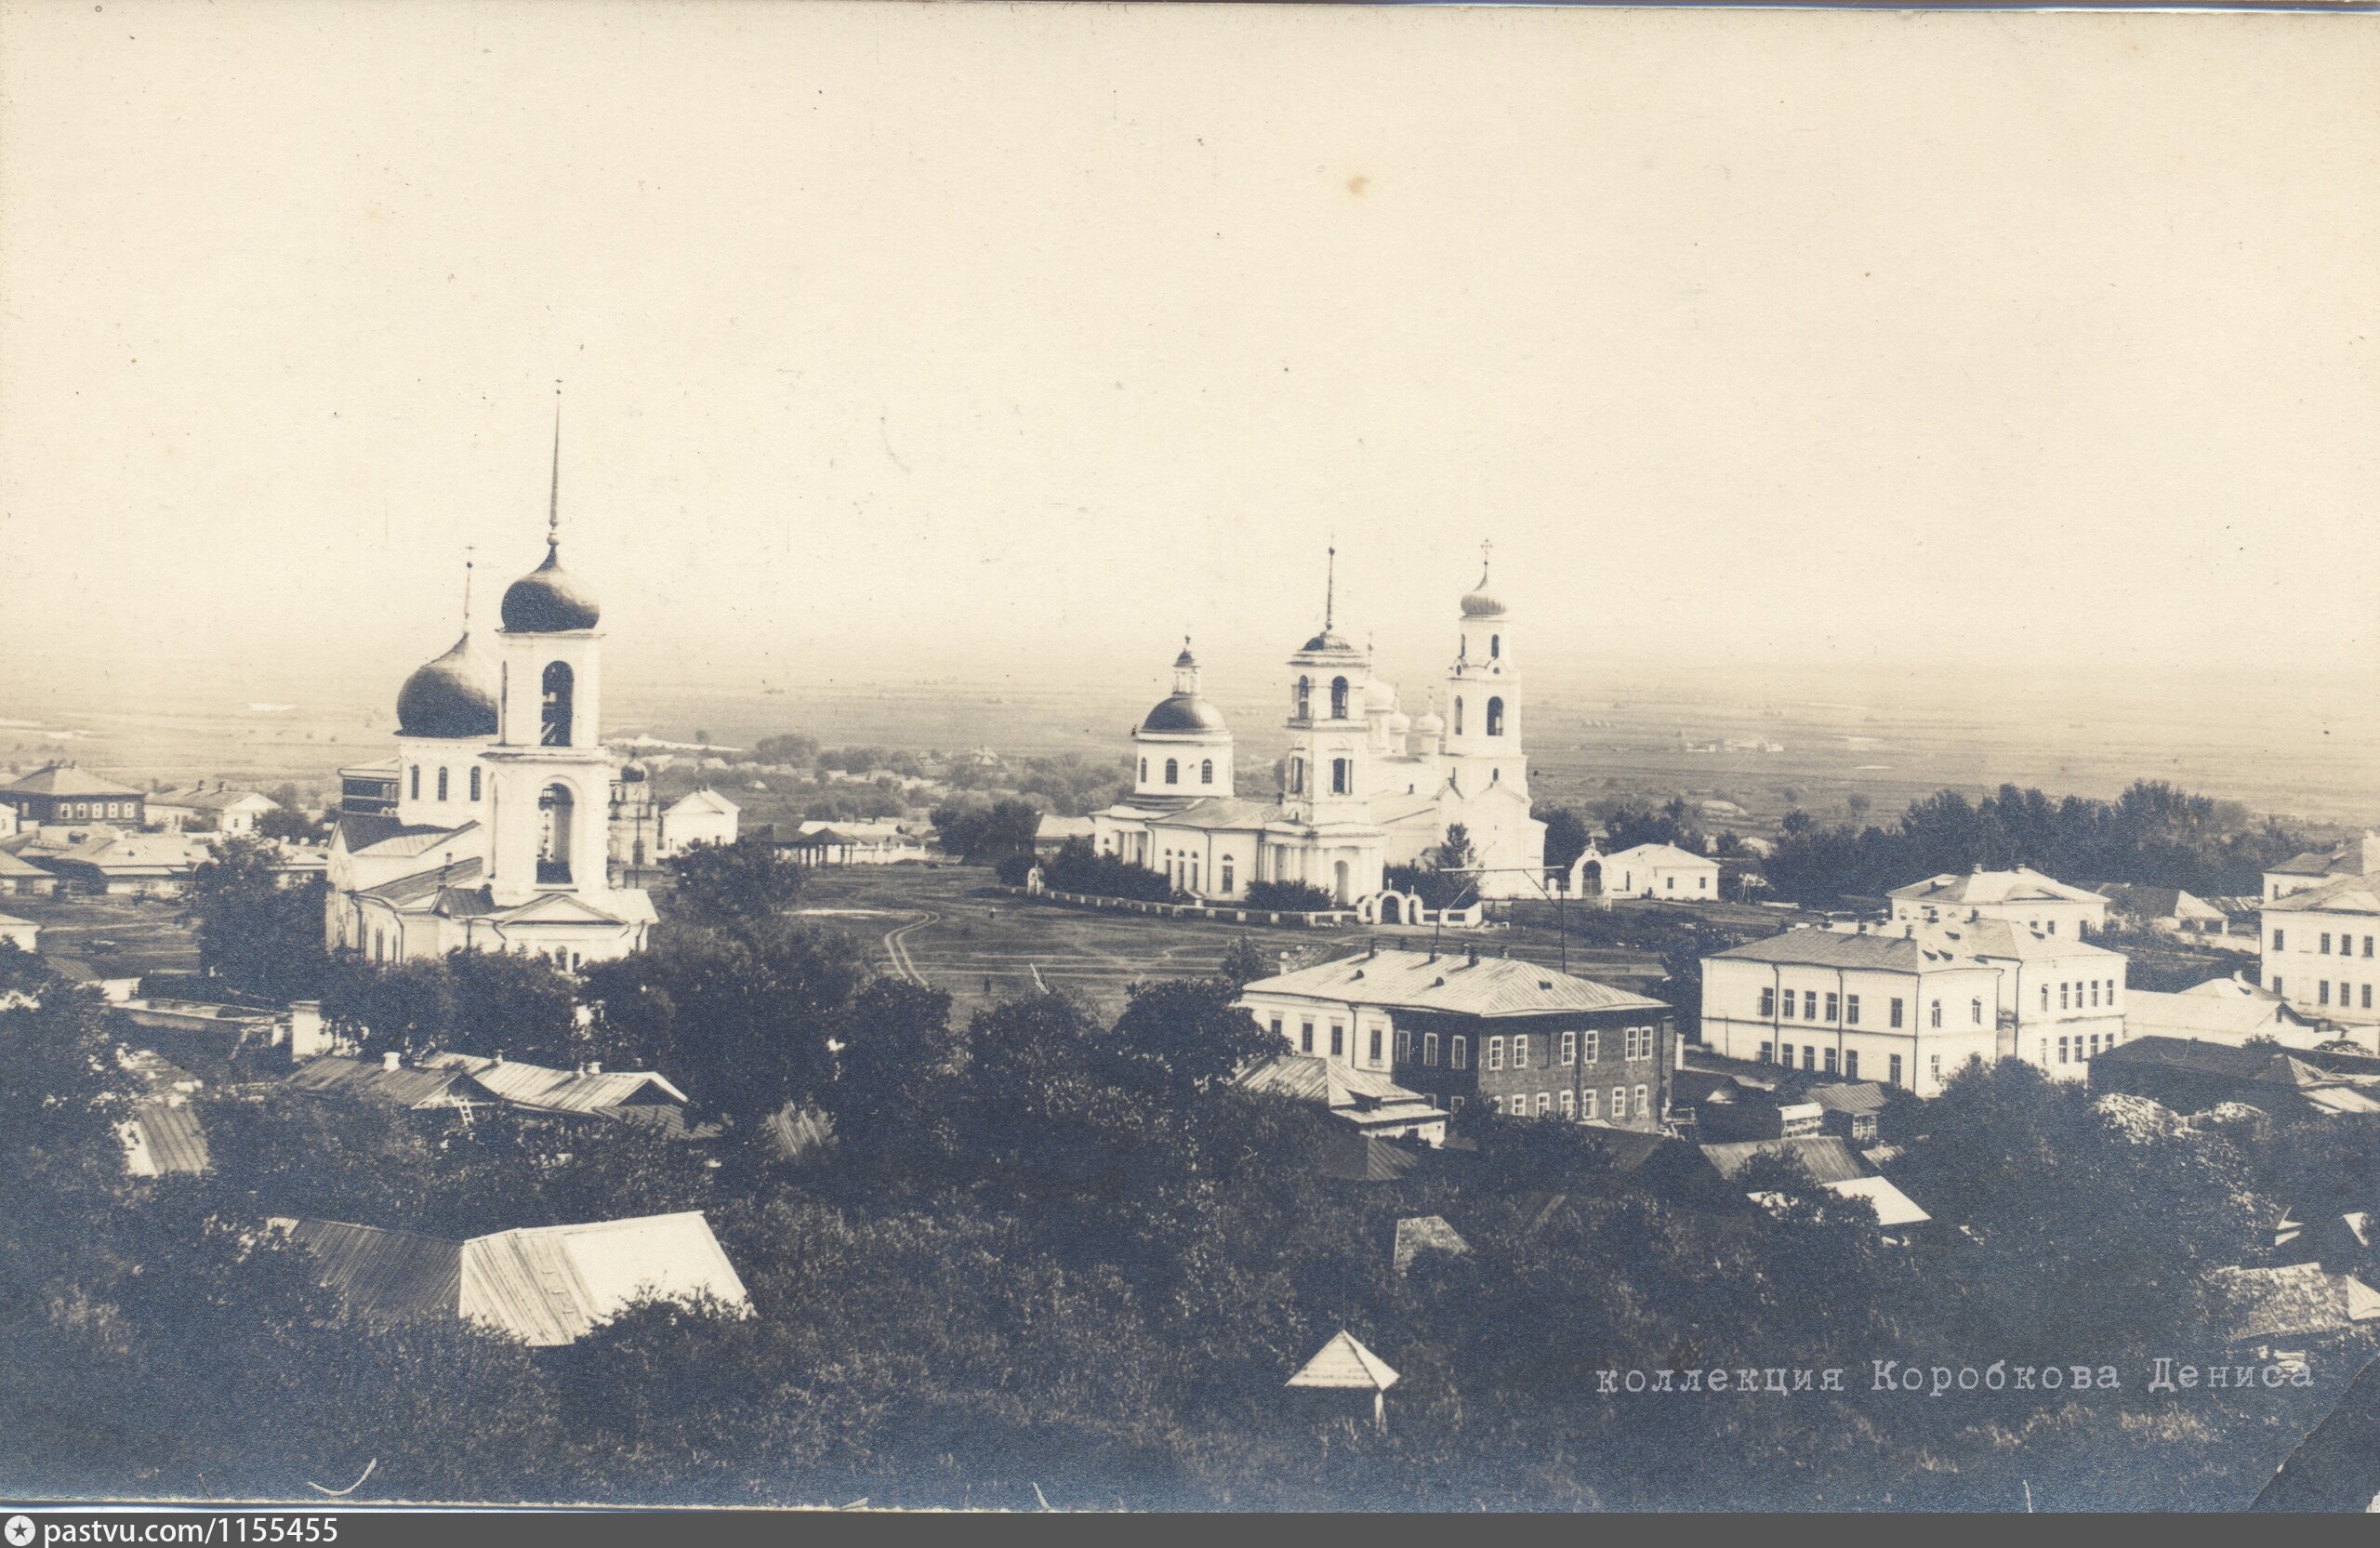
{"x": 1075, "y": 868}
{"x": 1288, "y": 897}
{"x": 1016, "y": 870}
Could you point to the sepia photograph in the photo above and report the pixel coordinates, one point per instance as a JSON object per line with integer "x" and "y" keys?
{"x": 1141, "y": 758}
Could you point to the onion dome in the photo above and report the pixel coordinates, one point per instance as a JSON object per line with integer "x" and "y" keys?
{"x": 1184, "y": 712}
{"x": 1326, "y": 641}
{"x": 548, "y": 600}
{"x": 1480, "y": 603}
{"x": 1378, "y": 695}
{"x": 454, "y": 695}
{"x": 1399, "y": 722}
{"x": 1432, "y": 723}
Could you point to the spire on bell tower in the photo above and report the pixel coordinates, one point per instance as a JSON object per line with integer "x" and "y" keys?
{"x": 553, "y": 496}
{"x": 1330, "y": 588}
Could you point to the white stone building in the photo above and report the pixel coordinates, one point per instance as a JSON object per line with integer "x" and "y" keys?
{"x": 1663, "y": 871}
{"x": 2320, "y": 867}
{"x": 2318, "y": 954}
{"x": 699, "y": 817}
{"x": 217, "y": 807}
{"x": 2021, "y": 896}
{"x": 1365, "y": 786}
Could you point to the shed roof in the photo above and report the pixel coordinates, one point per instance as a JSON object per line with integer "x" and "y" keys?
{"x": 551, "y": 1284}
{"x": 407, "y": 1086}
{"x": 1824, "y": 1156}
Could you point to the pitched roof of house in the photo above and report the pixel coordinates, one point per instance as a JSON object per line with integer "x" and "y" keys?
{"x": 163, "y": 1138}
{"x": 1971, "y": 888}
{"x": 1892, "y": 1206}
{"x": 2336, "y": 1467}
{"x": 361, "y": 833}
{"x": 364, "y": 1081}
{"x": 203, "y": 797}
{"x": 1847, "y": 1096}
{"x": 66, "y": 780}
{"x": 11, "y": 866}
{"x": 2346, "y": 894}
{"x": 1055, "y": 827}
{"x": 2260, "y": 1067}
{"x": 1658, "y": 855}
{"x": 561, "y": 1090}
{"x": 2005, "y": 938}
{"x": 1416, "y": 981}
{"x": 1837, "y": 948}
{"x": 1825, "y": 1158}
{"x": 703, "y": 800}
{"x": 552, "y": 1284}
{"x": 2293, "y": 1301}
{"x": 1420, "y": 1234}
{"x": 1345, "y": 1363}
{"x": 2190, "y": 1014}
{"x": 163, "y": 853}
{"x": 544, "y": 1285}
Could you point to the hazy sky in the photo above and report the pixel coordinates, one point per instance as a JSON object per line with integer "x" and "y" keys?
{"x": 971, "y": 339}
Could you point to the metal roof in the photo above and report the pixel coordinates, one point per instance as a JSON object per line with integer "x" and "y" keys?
{"x": 163, "y": 1138}
{"x": 2281, "y": 1302}
{"x": 1344, "y": 1363}
{"x": 1825, "y": 1158}
{"x": 2022, "y": 885}
{"x": 1420, "y": 1234}
{"x": 383, "y": 1274}
{"x": 67, "y": 779}
{"x": 551, "y": 1285}
{"x": 1836, "y": 948}
{"x": 407, "y": 1086}
{"x": 1416, "y": 981}
{"x": 2338, "y": 1465}
{"x": 561, "y": 1090}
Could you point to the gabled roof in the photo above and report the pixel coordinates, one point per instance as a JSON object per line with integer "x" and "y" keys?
{"x": 203, "y": 796}
{"x": 561, "y": 1090}
{"x": 163, "y": 1138}
{"x": 2284, "y": 1303}
{"x": 1218, "y": 812}
{"x": 2336, "y": 1467}
{"x": 1415, "y": 980}
{"x": 544, "y": 1285}
{"x": 2346, "y": 895}
{"x": 1892, "y": 1206}
{"x": 1055, "y": 827}
{"x": 1849, "y": 1096}
{"x": 2159, "y": 903}
{"x": 1837, "y": 948}
{"x": 66, "y": 780}
{"x": 143, "y": 851}
{"x": 1825, "y": 1158}
{"x": 2005, "y": 938}
{"x": 11, "y": 866}
{"x": 427, "y": 886}
{"x": 2022, "y": 885}
{"x": 1346, "y": 1364}
{"x": 703, "y": 800}
{"x": 2190, "y": 1014}
{"x": 407, "y": 1086}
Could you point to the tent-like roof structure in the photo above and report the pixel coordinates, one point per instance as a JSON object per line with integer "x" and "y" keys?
{"x": 1346, "y": 1365}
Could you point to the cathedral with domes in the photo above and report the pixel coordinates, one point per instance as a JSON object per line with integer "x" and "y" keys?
{"x": 1364, "y": 786}
{"x": 489, "y": 830}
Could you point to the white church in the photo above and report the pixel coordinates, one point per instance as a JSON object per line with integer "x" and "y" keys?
{"x": 1364, "y": 786}
{"x": 489, "y": 832}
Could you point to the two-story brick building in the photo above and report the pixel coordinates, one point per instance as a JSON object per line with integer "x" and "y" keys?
{"x": 1463, "y": 1029}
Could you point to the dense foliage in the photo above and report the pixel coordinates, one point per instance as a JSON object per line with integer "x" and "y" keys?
{"x": 1287, "y": 897}
{"x": 255, "y": 935}
{"x": 1076, "y": 868}
{"x": 974, "y": 829}
{"x": 1048, "y": 1251}
{"x": 2152, "y": 835}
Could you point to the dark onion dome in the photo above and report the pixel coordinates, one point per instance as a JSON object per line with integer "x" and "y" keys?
{"x": 1184, "y": 712}
{"x": 547, "y": 600}
{"x": 1480, "y": 603}
{"x": 1186, "y": 660}
{"x": 454, "y": 695}
{"x": 1326, "y": 641}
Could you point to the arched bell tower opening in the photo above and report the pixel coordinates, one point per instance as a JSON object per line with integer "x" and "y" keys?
{"x": 554, "y": 716}
{"x": 557, "y": 814}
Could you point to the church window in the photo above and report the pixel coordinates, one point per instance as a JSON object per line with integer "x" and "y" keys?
{"x": 1339, "y": 767}
{"x": 1495, "y": 646}
{"x": 1458, "y": 717}
{"x": 1144, "y": 770}
{"x": 442, "y": 783}
{"x": 475, "y": 785}
{"x": 1338, "y": 699}
{"x": 417, "y": 782}
{"x": 1495, "y": 717}
{"x": 1297, "y": 776}
{"x": 1173, "y": 771}
{"x": 1305, "y": 697}
{"x": 555, "y": 811}
{"x": 1226, "y": 876}
{"x": 1206, "y": 771}
{"x": 556, "y": 705}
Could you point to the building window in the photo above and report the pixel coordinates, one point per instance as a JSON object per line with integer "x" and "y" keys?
{"x": 2325, "y": 948}
{"x": 1455, "y": 1105}
{"x": 1569, "y": 1048}
{"x": 1338, "y": 699}
{"x": 1520, "y": 1051}
{"x": 1644, "y": 1102}
{"x": 1587, "y": 1105}
{"x": 2276, "y": 986}
{"x": 1544, "y": 1101}
{"x": 1892, "y": 1067}
{"x": 1935, "y": 1012}
{"x": 1495, "y": 1054}
{"x": 556, "y": 812}
{"x": 1305, "y": 1037}
{"x": 1459, "y": 1054}
{"x": 1495, "y": 646}
{"x": 1338, "y": 1041}
{"x": 442, "y": 783}
{"x": 1851, "y": 1064}
{"x": 1975, "y": 1011}
{"x": 2278, "y": 936}
{"x": 556, "y": 707}
{"x": 1297, "y": 776}
{"x": 1495, "y": 717}
{"x": 1788, "y": 1005}
{"x": 1277, "y": 1026}
{"x": 2322, "y": 992}
{"x": 1809, "y": 1005}
{"x": 1833, "y": 1009}
{"x": 1768, "y": 1053}
{"x": 1430, "y": 1049}
{"x": 1206, "y": 771}
{"x": 417, "y": 782}
{"x": 1403, "y": 1046}
{"x": 1570, "y": 1106}
{"x": 1457, "y": 716}
{"x": 1620, "y": 1102}
{"x": 2367, "y": 945}
{"x": 475, "y": 783}
{"x": 1809, "y": 1056}
{"x": 2061, "y": 1051}
{"x": 1593, "y": 1046}
{"x": 1226, "y": 876}
{"x": 2367, "y": 997}
{"x": 1830, "y": 1061}
{"x": 1850, "y": 1010}
{"x": 1934, "y": 1070}
{"x": 1767, "y": 1004}
{"x": 1338, "y": 780}
{"x": 1896, "y": 1012}
{"x": 1375, "y": 1055}
{"x": 1302, "y": 698}
{"x": 1173, "y": 771}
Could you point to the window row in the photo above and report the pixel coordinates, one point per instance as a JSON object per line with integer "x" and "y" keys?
{"x": 1578, "y": 1105}
{"x": 414, "y": 787}
{"x": 1532, "y": 1052}
{"x": 2077, "y": 1055}
{"x": 1173, "y": 771}
{"x": 2071, "y": 994}
{"x": 1842, "y": 1008}
{"x": 1811, "y": 1059}
{"x": 94, "y": 811}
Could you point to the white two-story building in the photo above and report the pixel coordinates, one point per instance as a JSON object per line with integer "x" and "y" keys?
{"x": 2318, "y": 953}
{"x": 2022, "y": 896}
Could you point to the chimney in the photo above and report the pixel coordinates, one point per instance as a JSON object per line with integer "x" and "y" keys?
{"x": 391, "y": 1060}
{"x": 499, "y": 1058}
{"x": 1471, "y": 955}
{"x": 594, "y": 1067}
